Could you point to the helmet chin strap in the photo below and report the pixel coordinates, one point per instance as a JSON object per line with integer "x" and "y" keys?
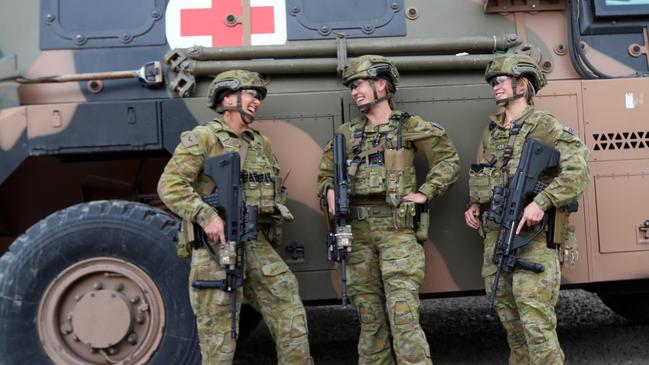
{"x": 504, "y": 102}
{"x": 365, "y": 108}
{"x": 245, "y": 116}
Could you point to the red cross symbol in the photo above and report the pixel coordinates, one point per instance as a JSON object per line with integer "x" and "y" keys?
{"x": 211, "y": 21}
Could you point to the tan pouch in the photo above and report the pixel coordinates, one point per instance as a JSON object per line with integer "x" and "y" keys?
{"x": 395, "y": 160}
{"x": 395, "y": 166}
{"x": 569, "y": 248}
{"x": 186, "y": 238}
{"x": 565, "y": 239}
{"x": 560, "y": 226}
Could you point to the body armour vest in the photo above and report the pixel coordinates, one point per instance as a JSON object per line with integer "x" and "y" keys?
{"x": 495, "y": 143}
{"x": 259, "y": 170}
{"x": 382, "y": 161}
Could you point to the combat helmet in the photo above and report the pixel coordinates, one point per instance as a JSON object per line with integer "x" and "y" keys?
{"x": 234, "y": 81}
{"x": 516, "y": 65}
{"x": 371, "y": 67}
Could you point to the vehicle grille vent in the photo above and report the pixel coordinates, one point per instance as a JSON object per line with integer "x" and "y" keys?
{"x": 621, "y": 141}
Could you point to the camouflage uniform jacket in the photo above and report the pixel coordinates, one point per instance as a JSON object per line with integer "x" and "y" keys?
{"x": 564, "y": 185}
{"x": 417, "y": 134}
{"x": 183, "y": 183}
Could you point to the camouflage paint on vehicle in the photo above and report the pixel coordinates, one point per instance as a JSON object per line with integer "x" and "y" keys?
{"x": 63, "y": 144}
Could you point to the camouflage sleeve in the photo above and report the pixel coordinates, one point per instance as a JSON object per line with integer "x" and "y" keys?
{"x": 176, "y": 185}
{"x": 443, "y": 159}
{"x": 573, "y": 170}
{"x": 484, "y": 142}
{"x": 326, "y": 170}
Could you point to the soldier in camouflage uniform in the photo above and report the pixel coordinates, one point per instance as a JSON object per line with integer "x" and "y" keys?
{"x": 386, "y": 264}
{"x": 525, "y": 300}
{"x": 269, "y": 286}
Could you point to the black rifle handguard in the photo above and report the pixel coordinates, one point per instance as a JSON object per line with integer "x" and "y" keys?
{"x": 240, "y": 225}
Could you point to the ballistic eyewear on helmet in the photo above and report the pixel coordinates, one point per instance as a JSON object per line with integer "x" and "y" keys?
{"x": 378, "y": 69}
{"x": 252, "y": 92}
{"x": 497, "y": 80}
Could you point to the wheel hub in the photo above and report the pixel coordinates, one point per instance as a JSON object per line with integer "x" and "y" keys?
{"x": 101, "y": 310}
{"x": 102, "y": 318}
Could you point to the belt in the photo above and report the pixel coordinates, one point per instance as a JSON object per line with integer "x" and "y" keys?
{"x": 361, "y": 212}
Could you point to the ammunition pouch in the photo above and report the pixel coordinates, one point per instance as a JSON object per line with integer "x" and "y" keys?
{"x": 259, "y": 190}
{"x": 186, "y": 240}
{"x": 482, "y": 179}
{"x": 400, "y": 174}
{"x": 564, "y": 238}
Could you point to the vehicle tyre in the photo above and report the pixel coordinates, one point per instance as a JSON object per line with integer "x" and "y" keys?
{"x": 631, "y": 306}
{"x": 97, "y": 282}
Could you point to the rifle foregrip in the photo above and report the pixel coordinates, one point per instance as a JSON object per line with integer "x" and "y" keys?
{"x": 209, "y": 284}
{"x": 530, "y": 266}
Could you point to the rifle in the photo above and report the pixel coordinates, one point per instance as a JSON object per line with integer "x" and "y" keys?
{"x": 507, "y": 208}
{"x": 240, "y": 226}
{"x": 339, "y": 239}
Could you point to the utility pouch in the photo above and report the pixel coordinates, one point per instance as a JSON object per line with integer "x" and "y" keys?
{"x": 422, "y": 228}
{"x": 267, "y": 197}
{"x": 395, "y": 160}
{"x": 186, "y": 239}
{"x": 481, "y": 181}
{"x": 560, "y": 226}
{"x": 569, "y": 250}
{"x": 404, "y": 215}
{"x": 565, "y": 239}
{"x": 400, "y": 175}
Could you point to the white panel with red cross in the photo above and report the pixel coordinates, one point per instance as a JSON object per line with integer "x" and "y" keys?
{"x": 202, "y": 22}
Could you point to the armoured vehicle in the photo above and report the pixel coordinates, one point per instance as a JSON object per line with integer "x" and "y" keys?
{"x": 88, "y": 272}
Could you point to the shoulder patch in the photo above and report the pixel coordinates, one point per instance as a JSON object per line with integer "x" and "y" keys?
{"x": 569, "y": 130}
{"x": 188, "y": 139}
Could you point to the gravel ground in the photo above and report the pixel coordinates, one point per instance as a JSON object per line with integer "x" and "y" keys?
{"x": 458, "y": 333}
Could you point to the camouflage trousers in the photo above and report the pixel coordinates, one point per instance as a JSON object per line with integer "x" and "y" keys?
{"x": 525, "y": 303}
{"x": 384, "y": 272}
{"x": 269, "y": 286}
